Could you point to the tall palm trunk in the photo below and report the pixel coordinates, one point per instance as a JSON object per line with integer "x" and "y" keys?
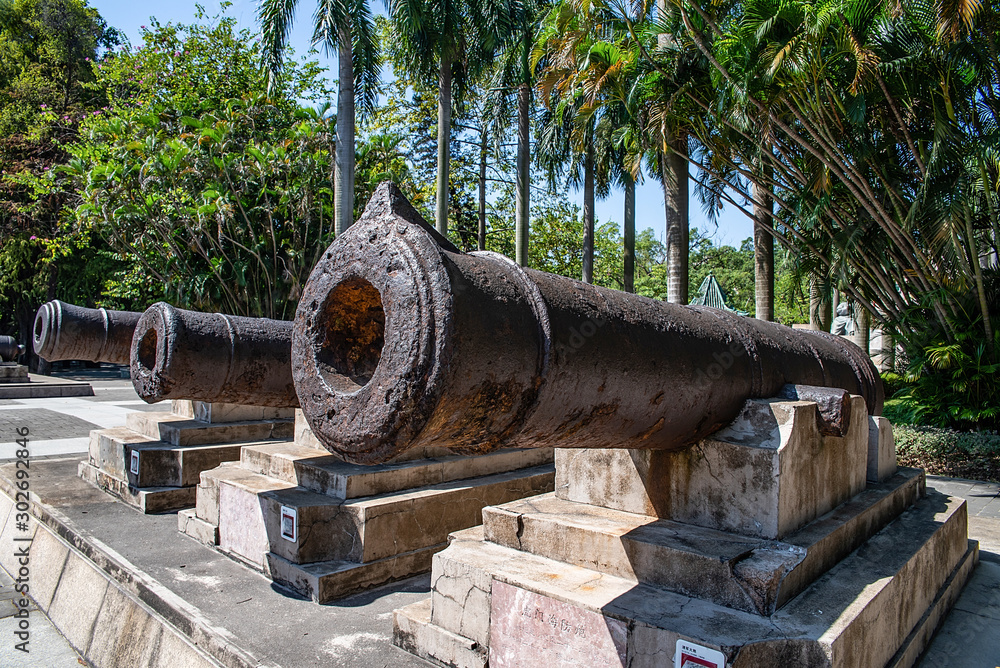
{"x": 482, "y": 189}
{"x": 343, "y": 197}
{"x": 588, "y": 214}
{"x": 820, "y": 305}
{"x": 521, "y": 231}
{"x": 862, "y": 329}
{"x": 444, "y": 145}
{"x": 629, "y": 232}
{"x": 763, "y": 252}
{"x": 675, "y": 202}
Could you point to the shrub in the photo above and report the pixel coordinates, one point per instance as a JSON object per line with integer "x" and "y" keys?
{"x": 974, "y": 455}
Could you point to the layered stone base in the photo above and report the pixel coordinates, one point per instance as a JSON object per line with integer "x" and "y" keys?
{"x": 37, "y": 386}
{"x": 789, "y": 538}
{"x": 876, "y": 607}
{"x": 12, "y": 372}
{"x": 147, "y": 500}
{"x": 326, "y": 528}
{"x": 155, "y": 461}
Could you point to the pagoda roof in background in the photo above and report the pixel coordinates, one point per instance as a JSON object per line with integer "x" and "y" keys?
{"x": 711, "y": 294}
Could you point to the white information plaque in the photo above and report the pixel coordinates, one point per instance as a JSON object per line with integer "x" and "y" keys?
{"x": 689, "y": 655}
{"x": 133, "y": 464}
{"x": 289, "y": 524}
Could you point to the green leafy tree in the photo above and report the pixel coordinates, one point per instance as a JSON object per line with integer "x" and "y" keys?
{"x": 47, "y": 86}
{"x": 229, "y": 209}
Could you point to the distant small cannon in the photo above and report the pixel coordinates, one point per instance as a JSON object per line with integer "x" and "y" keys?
{"x": 68, "y": 332}
{"x": 212, "y": 357}
{"x": 401, "y": 340}
{"x": 10, "y": 349}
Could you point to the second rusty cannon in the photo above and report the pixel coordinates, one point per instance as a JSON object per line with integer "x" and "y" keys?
{"x": 68, "y": 332}
{"x": 212, "y": 357}
{"x": 401, "y": 340}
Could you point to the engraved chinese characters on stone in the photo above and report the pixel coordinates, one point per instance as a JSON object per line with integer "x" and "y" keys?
{"x": 528, "y": 629}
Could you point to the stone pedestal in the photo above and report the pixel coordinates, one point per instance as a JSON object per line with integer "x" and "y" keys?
{"x": 155, "y": 461}
{"x": 15, "y": 383}
{"x": 12, "y": 372}
{"x": 326, "y": 528}
{"x": 769, "y": 544}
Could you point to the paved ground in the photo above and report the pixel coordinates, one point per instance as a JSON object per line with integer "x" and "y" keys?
{"x": 61, "y": 425}
{"x": 353, "y": 631}
{"x": 46, "y": 648}
{"x": 57, "y": 427}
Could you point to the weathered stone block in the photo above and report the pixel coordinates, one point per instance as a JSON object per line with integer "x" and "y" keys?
{"x": 864, "y": 610}
{"x": 13, "y": 373}
{"x": 162, "y": 465}
{"x": 881, "y": 449}
{"x": 413, "y": 632}
{"x": 323, "y": 473}
{"x": 221, "y": 412}
{"x": 377, "y": 527}
{"x": 766, "y": 475}
{"x": 190, "y": 524}
{"x": 242, "y": 526}
{"x": 179, "y": 430}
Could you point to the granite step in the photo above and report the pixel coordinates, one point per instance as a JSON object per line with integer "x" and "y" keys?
{"x": 741, "y": 572}
{"x": 108, "y": 449}
{"x": 147, "y": 499}
{"x": 877, "y": 603}
{"x": 321, "y": 472}
{"x": 181, "y": 430}
{"x": 324, "y": 528}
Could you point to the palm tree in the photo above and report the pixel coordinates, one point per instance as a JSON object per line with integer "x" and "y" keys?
{"x": 435, "y": 39}
{"x": 346, "y": 27}
{"x": 586, "y": 64}
{"x": 511, "y": 27}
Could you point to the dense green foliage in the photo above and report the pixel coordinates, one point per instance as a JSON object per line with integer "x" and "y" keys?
{"x": 221, "y": 199}
{"x": 972, "y": 455}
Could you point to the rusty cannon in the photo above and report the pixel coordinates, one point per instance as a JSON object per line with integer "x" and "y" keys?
{"x": 212, "y": 357}
{"x": 401, "y": 340}
{"x": 68, "y": 332}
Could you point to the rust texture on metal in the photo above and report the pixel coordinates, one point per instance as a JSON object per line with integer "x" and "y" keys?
{"x": 400, "y": 340}
{"x": 178, "y": 354}
{"x": 68, "y": 332}
{"x": 10, "y": 349}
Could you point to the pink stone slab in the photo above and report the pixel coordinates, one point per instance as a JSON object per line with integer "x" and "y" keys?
{"x": 528, "y": 629}
{"x": 241, "y": 524}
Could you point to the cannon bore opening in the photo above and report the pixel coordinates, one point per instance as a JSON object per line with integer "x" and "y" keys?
{"x": 147, "y": 350}
{"x": 352, "y": 322}
{"x": 39, "y": 326}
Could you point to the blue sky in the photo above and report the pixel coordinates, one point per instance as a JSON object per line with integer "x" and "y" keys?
{"x": 128, "y": 17}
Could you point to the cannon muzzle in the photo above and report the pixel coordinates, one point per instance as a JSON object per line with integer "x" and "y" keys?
{"x": 178, "y": 354}
{"x": 401, "y": 340}
{"x": 67, "y": 332}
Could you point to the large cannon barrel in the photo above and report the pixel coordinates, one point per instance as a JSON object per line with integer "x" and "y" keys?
{"x": 401, "y": 340}
{"x": 68, "y": 332}
{"x": 179, "y": 354}
{"x": 10, "y": 349}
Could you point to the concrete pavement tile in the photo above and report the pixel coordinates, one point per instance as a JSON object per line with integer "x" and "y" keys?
{"x": 46, "y": 647}
{"x": 965, "y": 640}
{"x": 981, "y": 595}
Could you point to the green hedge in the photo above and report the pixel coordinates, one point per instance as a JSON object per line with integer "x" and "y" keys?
{"x": 973, "y": 455}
